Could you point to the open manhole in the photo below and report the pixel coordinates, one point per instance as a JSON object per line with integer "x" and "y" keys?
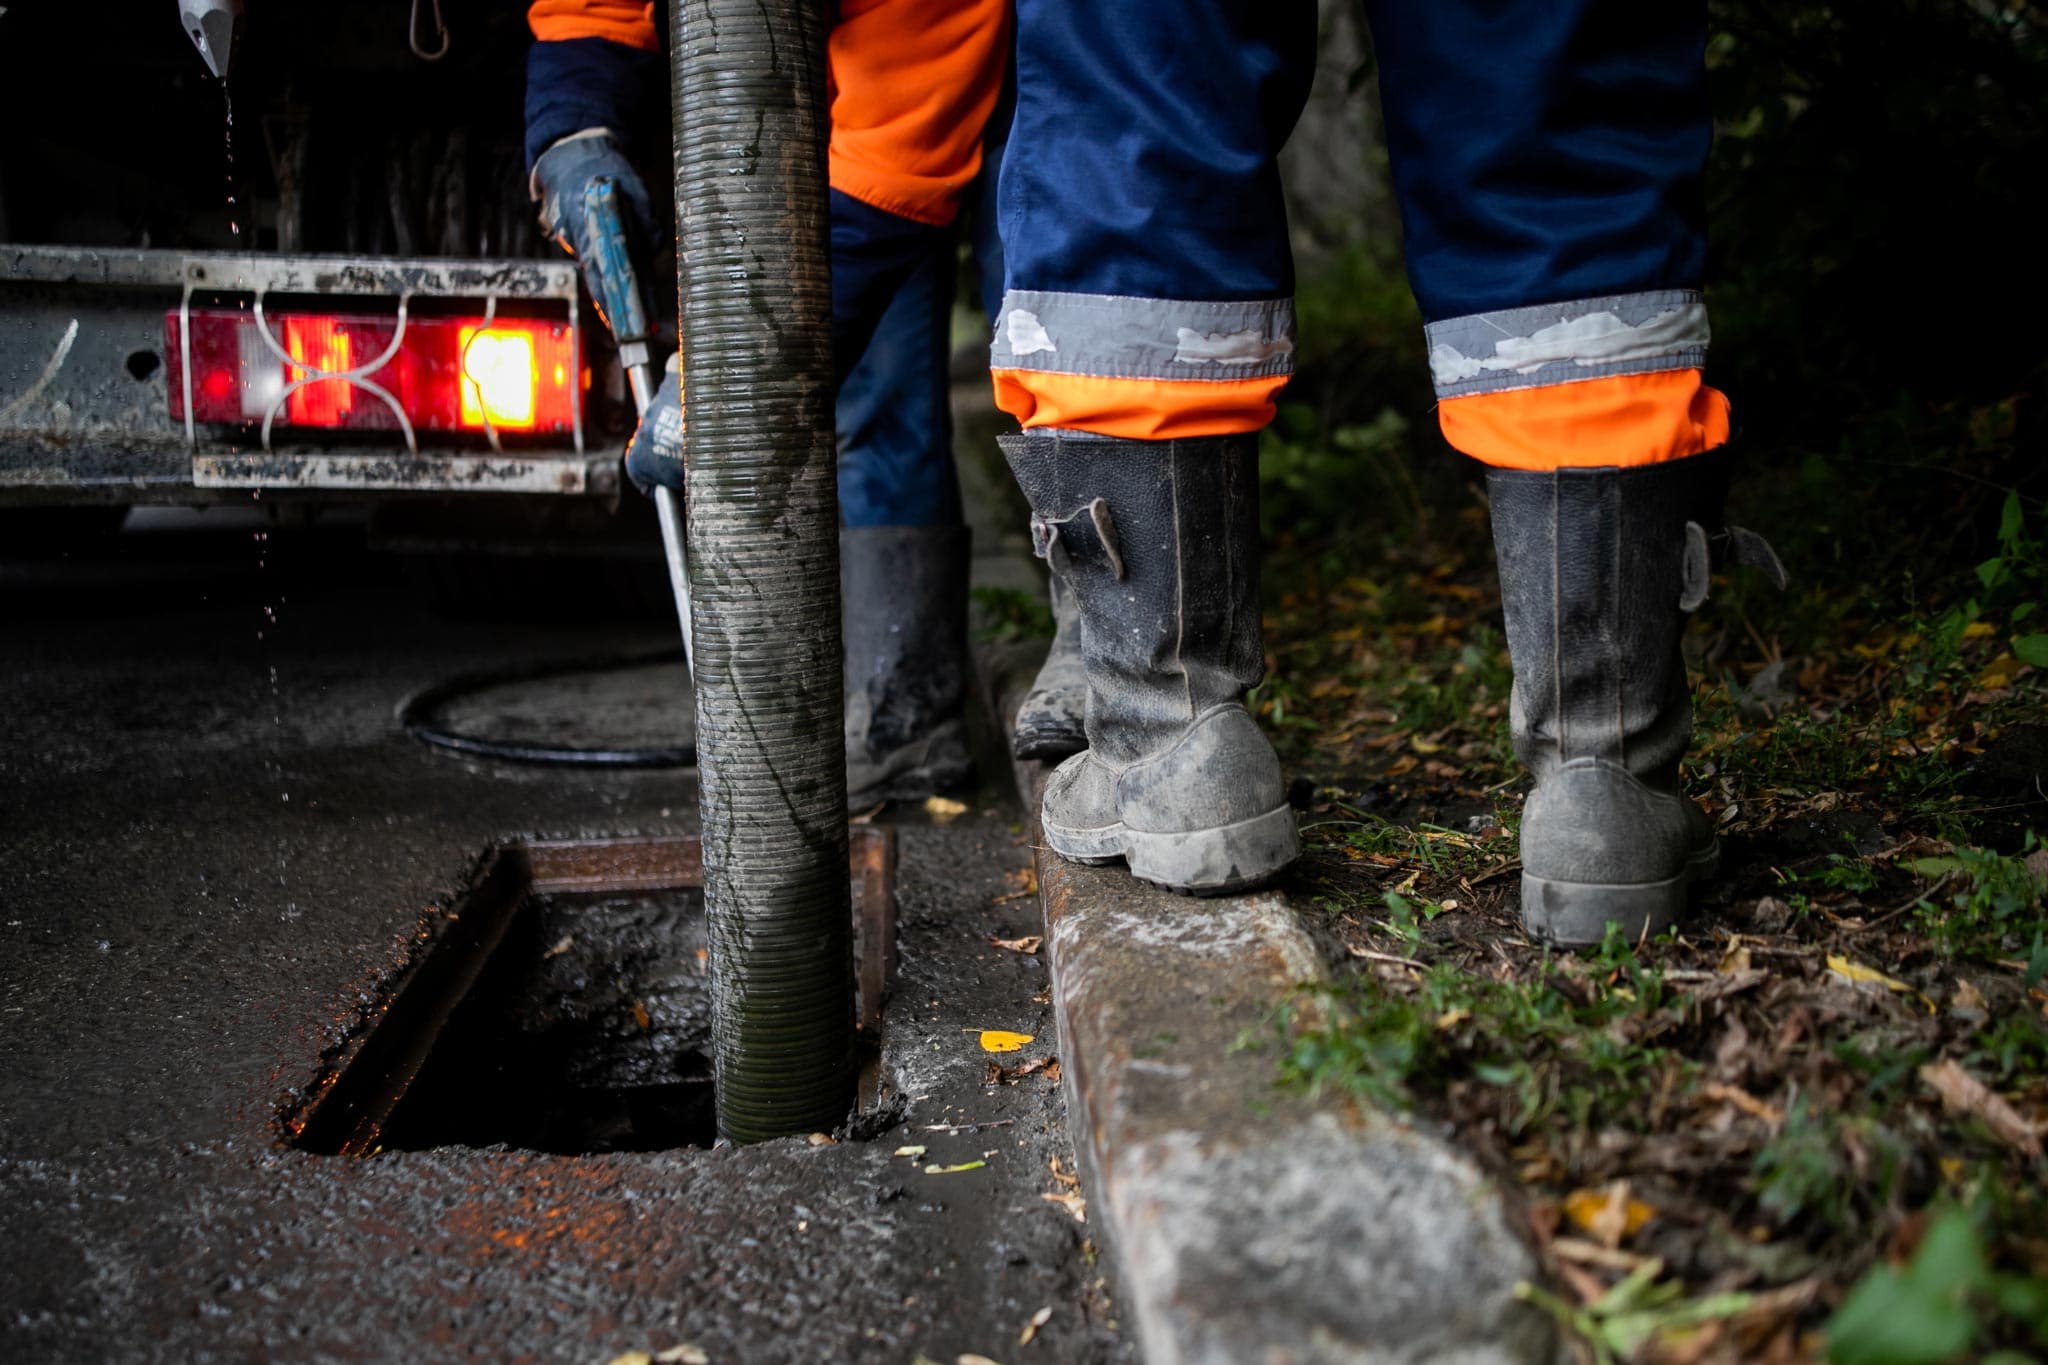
{"x": 565, "y": 1008}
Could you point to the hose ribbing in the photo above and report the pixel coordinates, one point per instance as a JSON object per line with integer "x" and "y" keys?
{"x": 762, "y": 506}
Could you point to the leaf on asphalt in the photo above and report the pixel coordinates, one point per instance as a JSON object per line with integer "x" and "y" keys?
{"x": 914, "y": 1150}
{"x": 822, "y": 1140}
{"x": 641, "y": 1017}
{"x": 561, "y": 946}
{"x": 1023, "y": 884}
{"x": 1963, "y": 1093}
{"x": 683, "y": 1353}
{"x": 1038, "y": 1320}
{"x": 1609, "y": 1214}
{"x": 998, "y": 1074}
{"x": 955, "y": 1169}
{"x": 1073, "y": 1203}
{"x": 1000, "y": 1040}
{"x": 1027, "y": 945}
{"x": 944, "y": 809}
{"x": 631, "y": 1358}
{"x": 970, "y": 1358}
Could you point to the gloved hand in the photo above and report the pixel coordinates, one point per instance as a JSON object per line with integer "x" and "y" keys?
{"x": 559, "y": 179}
{"x": 655, "y": 455}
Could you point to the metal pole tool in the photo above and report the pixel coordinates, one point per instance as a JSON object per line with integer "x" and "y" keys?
{"x": 625, "y": 307}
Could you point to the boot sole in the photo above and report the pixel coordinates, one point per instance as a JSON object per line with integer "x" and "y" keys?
{"x": 1048, "y": 745}
{"x": 1202, "y": 862}
{"x": 1576, "y": 914}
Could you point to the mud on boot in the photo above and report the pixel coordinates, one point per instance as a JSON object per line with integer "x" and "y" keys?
{"x": 1158, "y": 543}
{"x": 1599, "y": 569}
{"x": 904, "y": 622}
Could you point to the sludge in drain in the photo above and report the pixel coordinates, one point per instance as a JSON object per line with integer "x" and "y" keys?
{"x": 563, "y": 1006}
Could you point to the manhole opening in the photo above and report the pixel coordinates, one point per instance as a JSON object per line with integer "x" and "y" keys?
{"x": 578, "y": 1038}
{"x": 564, "y": 1007}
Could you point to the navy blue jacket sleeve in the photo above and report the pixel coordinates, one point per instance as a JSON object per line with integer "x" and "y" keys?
{"x": 583, "y": 83}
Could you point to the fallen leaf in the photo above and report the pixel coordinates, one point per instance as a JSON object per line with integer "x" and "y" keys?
{"x": 641, "y": 1017}
{"x": 1038, "y": 1320}
{"x": 1999, "y": 673}
{"x": 632, "y": 1358}
{"x": 1743, "y": 1100}
{"x": 1450, "y": 1019}
{"x": 998, "y": 1074}
{"x": 1736, "y": 959}
{"x": 914, "y": 1150}
{"x": 1964, "y": 1094}
{"x": 684, "y": 1354}
{"x": 1072, "y": 1203}
{"x": 972, "y": 1359}
{"x": 1861, "y": 975}
{"x": 561, "y": 946}
{"x": 1609, "y": 1214}
{"x": 954, "y": 1170}
{"x": 1967, "y": 999}
{"x": 943, "y": 809}
{"x": 1027, "y": 945}
{"x": 998, "y": 1040}
{"x": 822, "y": 1140}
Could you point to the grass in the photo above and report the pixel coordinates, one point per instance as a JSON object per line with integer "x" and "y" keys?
{"x": 1775, "y": 1086}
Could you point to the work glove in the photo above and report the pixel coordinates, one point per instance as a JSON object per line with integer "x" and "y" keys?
{"x": 655, "y": 455}
{"x": 560, "y": 177}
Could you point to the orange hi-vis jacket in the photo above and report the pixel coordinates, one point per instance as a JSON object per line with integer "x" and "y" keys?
{"x": 911, "y": 82}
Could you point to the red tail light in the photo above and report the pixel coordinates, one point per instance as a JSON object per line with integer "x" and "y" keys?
{"x": 343, "y": 371}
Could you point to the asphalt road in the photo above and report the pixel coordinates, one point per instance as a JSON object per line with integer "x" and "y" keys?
{"x": 217, "y": 850}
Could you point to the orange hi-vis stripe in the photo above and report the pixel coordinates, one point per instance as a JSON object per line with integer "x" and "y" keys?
{"x": 1137, "y": 409}
{"x": 1627, "y": 419}
{"x": 630, "y": 22}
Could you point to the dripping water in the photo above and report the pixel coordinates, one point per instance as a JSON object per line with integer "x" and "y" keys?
{"x": 267, "y": 623}
{"x": 234, "y": 205}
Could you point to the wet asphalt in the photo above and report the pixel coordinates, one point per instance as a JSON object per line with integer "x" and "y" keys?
{"x": 217, "y": 851}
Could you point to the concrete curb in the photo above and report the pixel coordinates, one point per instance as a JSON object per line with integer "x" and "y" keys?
{"x": 1249, "y": 1224}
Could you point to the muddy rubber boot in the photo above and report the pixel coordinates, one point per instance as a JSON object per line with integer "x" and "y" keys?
{"x": 904, "y": 621}
{"x": 1599, "y": 569}
{"x": 1159, "y": 543}
{"x": 1050, "y": 723}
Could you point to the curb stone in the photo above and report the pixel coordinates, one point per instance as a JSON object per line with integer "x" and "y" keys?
{"x": 1247, "y": 1223}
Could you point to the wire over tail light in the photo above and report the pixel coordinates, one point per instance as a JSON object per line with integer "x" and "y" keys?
{"x": 360, "y": 372}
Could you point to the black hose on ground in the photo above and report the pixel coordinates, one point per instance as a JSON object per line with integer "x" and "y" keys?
{"x": 419, "y": 714}
{"x": 762, "y": 503}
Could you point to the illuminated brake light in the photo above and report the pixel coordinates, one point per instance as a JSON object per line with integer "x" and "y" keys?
{"x": 444, "y": 374}
{"x": 319, "y": 345}
{"x": 499, "y": 377}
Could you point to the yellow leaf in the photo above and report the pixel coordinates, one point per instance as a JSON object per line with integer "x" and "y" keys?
{"x": 1038, "y": 1320}
{"x": 1977, "y": 630}
{"x": 943, "y": 809}
{"x": 1423, "y": 746}
{"x": 1609, "y": 1213}
{"x": 1450, "y": 1019}
{"x": 952, "y": 1170}
{"x": 917, "y": 1150}
{"x": 1999, "y": 673}
{"x": 1857, "y": 972}
{"x": 632, "y": 1358}
{"x": 996, "y": 1040}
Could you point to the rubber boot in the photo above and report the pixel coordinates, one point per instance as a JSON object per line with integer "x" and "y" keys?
{"x": 904, "y": 623}
{"x": 1599, "y": 569}
{"x": 1158, "y": 540}
{"x": 1050, "y": 724}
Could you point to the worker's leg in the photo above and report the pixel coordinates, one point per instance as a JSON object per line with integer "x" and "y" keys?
{"x": 1547, "y": 155}
{"x": 903, "y": 551}
{"x": 1146, "y": 327}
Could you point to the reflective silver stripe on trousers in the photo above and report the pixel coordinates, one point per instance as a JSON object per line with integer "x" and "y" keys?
{"x": 1113, "y": 336}
{"x": 1557, "y": 343}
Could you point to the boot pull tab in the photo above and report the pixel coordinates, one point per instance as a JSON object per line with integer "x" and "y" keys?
{"x": 1079, "y": 539}
{"x": 1737, "y": 545}
{"x": 1698, "y": 575}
